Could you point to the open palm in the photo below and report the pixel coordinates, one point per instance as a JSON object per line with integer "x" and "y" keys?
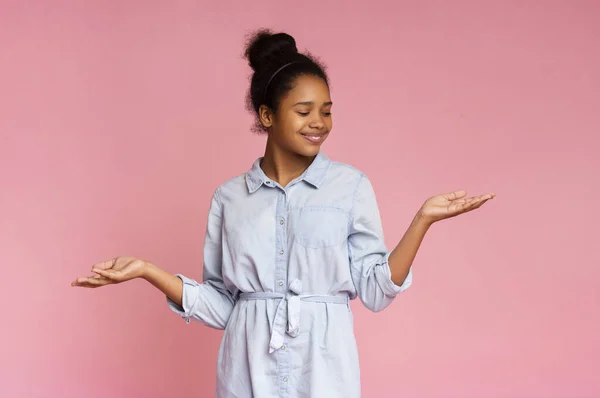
{"x": 451, "y": 204}
{"x": 117, "y": 270}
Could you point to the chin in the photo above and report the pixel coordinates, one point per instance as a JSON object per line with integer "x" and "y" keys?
{"x": 308, "y": 150}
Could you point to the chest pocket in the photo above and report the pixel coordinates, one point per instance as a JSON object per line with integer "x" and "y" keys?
{"x": 320, "y": 227}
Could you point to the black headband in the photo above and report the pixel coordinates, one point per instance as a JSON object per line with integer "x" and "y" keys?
{"x": 275, "y": 74}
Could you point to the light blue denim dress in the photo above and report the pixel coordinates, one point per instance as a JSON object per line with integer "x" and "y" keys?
{"x": 280, "y": 266}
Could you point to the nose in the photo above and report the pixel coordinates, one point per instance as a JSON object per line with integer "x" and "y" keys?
{"x": 317, "y": 123}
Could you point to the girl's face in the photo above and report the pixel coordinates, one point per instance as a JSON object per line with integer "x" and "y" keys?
{"x": 303, "y": 120}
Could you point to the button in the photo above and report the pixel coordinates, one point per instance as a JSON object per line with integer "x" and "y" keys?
{"x": 283, "y": 347}
{"x": 280, "y": 283}
{"x": 285, "y": 379}
{"x": 281, "y": 252}
{"x": 281, "y": 222}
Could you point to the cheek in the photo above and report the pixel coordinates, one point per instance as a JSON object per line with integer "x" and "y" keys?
{"x": 288, "y": 126}
{"x": 294, "y": 123}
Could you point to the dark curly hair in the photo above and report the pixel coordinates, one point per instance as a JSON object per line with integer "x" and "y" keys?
{"x": 276, "y": 63}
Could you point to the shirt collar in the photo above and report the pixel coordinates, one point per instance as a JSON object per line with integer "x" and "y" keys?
{"x": 314, "y": 174}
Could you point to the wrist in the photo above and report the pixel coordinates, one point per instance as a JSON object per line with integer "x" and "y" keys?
{"x": 422, "y": 220}
{"x": 147, "y": 269}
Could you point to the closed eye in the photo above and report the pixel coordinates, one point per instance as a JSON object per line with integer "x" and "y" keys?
{"x": 304, "y": 114}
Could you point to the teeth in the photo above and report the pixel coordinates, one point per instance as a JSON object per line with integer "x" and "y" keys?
{"x": 314, "y": 138}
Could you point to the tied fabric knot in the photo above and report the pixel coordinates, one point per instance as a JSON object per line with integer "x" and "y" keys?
{"x": 287, "y": 313}
{"x": 293, "y": 308}
{"x": 287, "y": 316}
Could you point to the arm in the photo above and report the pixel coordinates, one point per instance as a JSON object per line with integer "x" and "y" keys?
{"x": 403, "y": 255}
{"x": 377, "y": 274}
{"x": 209, "y": 302}
{"x": 434, "y": 209}
{"x": 169, "y": 284}
{"x": 369, "y": 258}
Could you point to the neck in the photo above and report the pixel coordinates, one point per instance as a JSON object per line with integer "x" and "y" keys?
{"x": 283, "y": 166}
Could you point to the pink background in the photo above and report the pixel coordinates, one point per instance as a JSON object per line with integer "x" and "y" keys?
{"x": 118, "y": 120}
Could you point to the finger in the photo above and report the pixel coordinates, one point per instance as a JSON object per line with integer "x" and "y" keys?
{"x": 484, "y": 198}
{"x": 108, "y": 273}
{"x": 105, "y": 264}
{"x": 474, "y": 203}
{"x": 81, "y": 279}
{"x": 460, "y": 201}
{"x": 464, "y": 203}
{"x": 487, "y": 196}
{"x": 480, "y": 197}
{"x": 97, "y": 282}
{"x": 467, "y": 205}
{"x": 91, "y": 282}
{"x": 455, "y": 195}
{"x": 88, "y": 280}
{"x": 478, "y": 205}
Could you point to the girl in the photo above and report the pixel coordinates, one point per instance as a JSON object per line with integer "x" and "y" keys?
{"x": 288, "y": 244}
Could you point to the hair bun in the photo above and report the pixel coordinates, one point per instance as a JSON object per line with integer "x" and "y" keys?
{"x": 265, "y": 48}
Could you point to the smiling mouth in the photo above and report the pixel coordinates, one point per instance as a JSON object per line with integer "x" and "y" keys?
{"x": 314, "y": 138}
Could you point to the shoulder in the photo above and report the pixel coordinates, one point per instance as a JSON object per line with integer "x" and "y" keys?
{"x": 232, "y": 187}
{"x": 340, "y": 172}
{"x": 346, "y": 168}
{"x": 233, "y": 183}
{"x": 353, "y": 181}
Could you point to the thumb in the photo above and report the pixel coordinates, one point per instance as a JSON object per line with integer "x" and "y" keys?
{"x": 455, "y": 195}
{"x": 108, "y": 273}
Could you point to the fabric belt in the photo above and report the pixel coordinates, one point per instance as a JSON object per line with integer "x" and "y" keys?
{"x": 288, "y": 310}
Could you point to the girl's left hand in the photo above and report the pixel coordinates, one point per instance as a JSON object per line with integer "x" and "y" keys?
{"x": 451, "y": 204}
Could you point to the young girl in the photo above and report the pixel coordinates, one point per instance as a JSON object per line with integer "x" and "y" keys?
{"x": 288, "y": 244}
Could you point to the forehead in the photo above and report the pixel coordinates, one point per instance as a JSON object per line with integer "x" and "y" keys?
{"x": 308, "y": 88}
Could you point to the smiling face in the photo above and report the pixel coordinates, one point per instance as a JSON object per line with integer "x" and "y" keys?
{"x": 302, "y": 121}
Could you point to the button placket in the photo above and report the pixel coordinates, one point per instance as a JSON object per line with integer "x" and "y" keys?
{"x": 283, "y": 365}
{"x": 280, "y": 260}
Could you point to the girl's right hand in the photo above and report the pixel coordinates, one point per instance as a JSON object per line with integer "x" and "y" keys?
{"x": 117, "y": 270}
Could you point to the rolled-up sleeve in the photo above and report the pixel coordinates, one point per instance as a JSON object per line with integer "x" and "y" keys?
{"x": 368, "y": 253}
{"x": 209, "y": 302}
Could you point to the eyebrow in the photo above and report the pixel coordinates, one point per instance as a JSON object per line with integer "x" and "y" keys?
{"x": 312, "y": 103}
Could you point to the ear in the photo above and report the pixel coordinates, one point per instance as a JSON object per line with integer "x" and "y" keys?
{"x": 266, "y": 116}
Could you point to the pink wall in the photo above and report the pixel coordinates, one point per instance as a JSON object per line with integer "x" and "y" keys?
{"x": 118, "y": 119}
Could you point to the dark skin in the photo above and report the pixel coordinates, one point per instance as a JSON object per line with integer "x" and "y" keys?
{"x": 296, "y": 132}
{"x": 304, "y": 111}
